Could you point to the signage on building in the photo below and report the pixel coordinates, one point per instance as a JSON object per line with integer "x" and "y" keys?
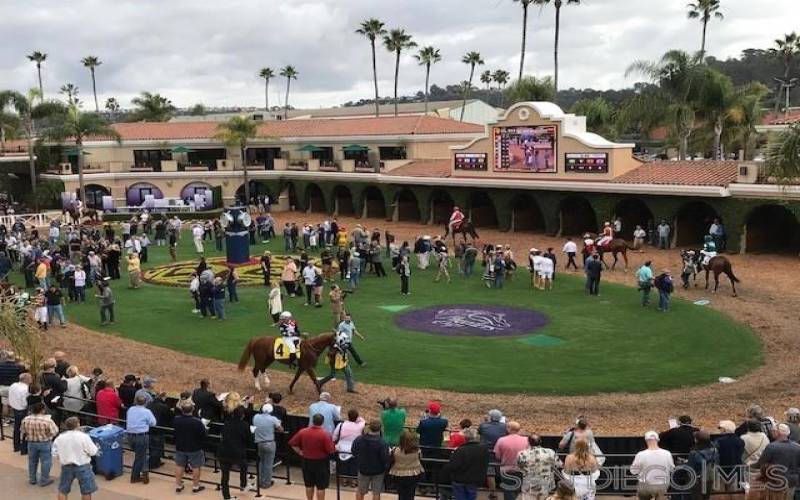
{"x": 589, "y": 163}
{"x": 471, "y": 161}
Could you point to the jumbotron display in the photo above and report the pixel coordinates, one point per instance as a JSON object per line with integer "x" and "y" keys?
{"x": 525, "y": 149}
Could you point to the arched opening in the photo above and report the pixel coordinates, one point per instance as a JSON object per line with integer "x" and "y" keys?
{"x": 374, "y": 203}
{"x": 772, "y": 228}
{"x": 441, "y": 206}
{"x": 140, "y": 193}
{"x": 94, "y": 195}
{"x": 344, "y": 200}
{"x": 290, "y": 191}
{"x": 481, "y": 210}
{"x": 632, "y": 212}
{"x": 577, "y": 216}
{"x": 257, "y": 190}
{"x": 692, "y": 222}
{"x": 315, "y": 201}
{"x": 407, "y": 206}
{"x": 526, "y": 215}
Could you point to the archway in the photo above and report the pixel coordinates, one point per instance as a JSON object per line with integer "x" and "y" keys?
{"x": 692, "y": 222}
{"x": 257, "y": 190}
{"x": 577, "y": 216}
{"x": 481, "y": 210}
{"x": 772, "y": 228}
{"x": 632, "y": 212}
{"x": 526, "y": 215}
{"x": 94, "y": 195}
{"x": 343, "y": 200}
{"x": 137, "y": 193}
{"x": 315, "y": 200}
{"x": 407, "y": 206}
{"x": 441, "y": 206}
{"x": 290, "y": 191}
{"x": 374, "y": 203}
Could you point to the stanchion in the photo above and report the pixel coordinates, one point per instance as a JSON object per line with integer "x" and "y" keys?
{"x": 336, "y": 476}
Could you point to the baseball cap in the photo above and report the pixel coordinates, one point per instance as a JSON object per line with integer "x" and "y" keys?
{"x": 793, "y": 411}
{"x": 434, "y": 407}
{"x": 148, "y": 381}
{"x": 651, "y": 436}
{"x": 495, "y": 415}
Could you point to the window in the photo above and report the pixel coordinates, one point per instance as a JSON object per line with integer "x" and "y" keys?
{"x": 150, "y": 158}
{"x": 392, "y": 152}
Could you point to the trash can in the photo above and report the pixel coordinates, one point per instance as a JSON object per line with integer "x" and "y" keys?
{"x": 108, "y": 439}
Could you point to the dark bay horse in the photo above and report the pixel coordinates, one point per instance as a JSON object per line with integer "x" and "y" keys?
{"x": 615, "y": 247}
{"x": 261, "y": 349}
{"x": 466, "y": 228}
{"x": 718, "y": 264}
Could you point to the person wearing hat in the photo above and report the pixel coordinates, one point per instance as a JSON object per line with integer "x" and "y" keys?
{"x": 266, "y": 266}
{"x": 653, "y": 468}
{"x": 665, "y": 286}
{"x": 105, "y": 298}
{"x": 456, "y": 218}
{"x": 731, "y": 450}
{"x": 147, "y": 391}
{"x": 793, "y": 421}
{"x": 266, "y": 426}
{"x": 431, "y": 426}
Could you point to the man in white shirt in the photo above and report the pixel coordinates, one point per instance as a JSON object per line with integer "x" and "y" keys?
{"x": 571, "y": 249}
{"x": 74, "y": 450}
{"x": 309, "y": 275}
{"x": 80, "y": 283}
{"x": 639, "y": 236}
{"x": 546, "y": 269}
{"x": 197, "y": 237}
{"x": 18, "y": 401}
{"x": 653, "y": 467}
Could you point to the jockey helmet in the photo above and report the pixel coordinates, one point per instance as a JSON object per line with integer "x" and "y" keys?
{"x": 707, "y": 238}
{"x": 286, "y": 315}
{"x": 607, "y": 224}
{"x": 456, "y": 208}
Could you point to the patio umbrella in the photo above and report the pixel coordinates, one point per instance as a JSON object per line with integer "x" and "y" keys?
{"x": 355, "y": 148}
{"x": 310, "y": 148}
{"x": 181, "y": 149}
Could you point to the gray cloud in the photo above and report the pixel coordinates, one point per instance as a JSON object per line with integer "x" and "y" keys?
{"x": 210, "y": 51}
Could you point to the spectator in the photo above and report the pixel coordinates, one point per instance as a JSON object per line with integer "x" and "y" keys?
{"x": 755, "y": 442}
{"x": 756, "y": 412}
{"x": 492, "y": 429}
{"x": 639, "y": 235}
{"x": 75, "y": 450}
{"x": 275, "y": 302}
{"x": 134, "y": 270}
{"x": 127, "y": 389}
{"x": 218, "y": 295}
{"x": 77, "y": 390}
{"x": 467, "y": 467}
{"x": 393, "y": 420}
{"x": 343, "y": 436}
{"x": 653, "y": 468}
{"x": 39, "y": 430}
{"x": 404, "y": 270}
{"x": 594, "y": 271}
{"x": 663, "y": 230}
{"x": 138, "y": 422}
{"x": 537, "y": 465}
{"x": 703, "y": 459}
{"x": 314, "y": 445}
{"x": 680, "y": 439}
{"x": 731, "y": 448}
{"x": 206, "y": 402}
{"x": 793, "y": 421}
{"x": 164, "y": 415}
{"x": 329, "y": 412}
{"x": 406, "y": 465}
{"x": 53, "y": 386}
{"x": 55, "y": 305}
{"x": 233, "y": 450}
{"x": 61, "y": 363}
{"x": 106, "y": 301}
{"x": 18, "y": 401}
{"x": 108, "y": 403}
{"x": 431, "y": 426}
{"x": 197, "y": 236}
{"x": 644, "y": 276}
{"x": 564, "y": 491}
{"x": 278, "y": 411}
{"x": 189, "y": 433}
{"x": 779, "y": 466}
{"x": 9, "y": 375}
{"x": 665, "y": 286}
{"x": 581, "y": 430}
{"x": 147, "y": 390}
{"x": 372, "y": 457}
{"x": 506, "y": 450}
{"x": 457, "y": 438}
{"x": 266, "y": 426}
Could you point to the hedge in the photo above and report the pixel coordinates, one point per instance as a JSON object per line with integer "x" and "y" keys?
{"x": 204, "y": 215}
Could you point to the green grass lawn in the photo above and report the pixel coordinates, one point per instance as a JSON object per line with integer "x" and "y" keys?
{"x": 610, "y": 344}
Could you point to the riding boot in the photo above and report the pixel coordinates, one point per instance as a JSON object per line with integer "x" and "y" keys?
{"x": 292, "y": 360}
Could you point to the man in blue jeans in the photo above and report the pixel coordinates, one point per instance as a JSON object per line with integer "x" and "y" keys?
{"x": 139, "y": 420}
{"x": 40, "y": 430}
{"x": 75, "y": 450}
{"x": 266, "y": 426}
{"x": 467, "y": 467}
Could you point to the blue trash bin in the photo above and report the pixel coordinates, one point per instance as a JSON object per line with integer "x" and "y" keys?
{"x": 109, "y": 440}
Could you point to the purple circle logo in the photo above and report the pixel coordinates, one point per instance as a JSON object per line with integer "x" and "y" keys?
{"x": 466, "y": 320}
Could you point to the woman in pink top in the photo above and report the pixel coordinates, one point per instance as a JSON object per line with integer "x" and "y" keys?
{"x": 343, "y": 435}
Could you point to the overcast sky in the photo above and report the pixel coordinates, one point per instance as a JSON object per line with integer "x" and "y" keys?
{"x": 210, "y": 51}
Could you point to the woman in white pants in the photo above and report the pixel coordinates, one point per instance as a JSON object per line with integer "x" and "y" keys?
{"x": 582, "y": 470}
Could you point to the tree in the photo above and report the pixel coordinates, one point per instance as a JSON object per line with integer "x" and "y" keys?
{"x": 267, "y": 74}
{"x": 525, "y": 4}
{"x": 291, "y": 74}
{"x": 198, "y": 110}
{"x": 9, "y": 123}
{"x": 151, "y": 108}
{"x": 427, "y": 56}
{"x": 396, "y": 41}
{"x": 113, "y": 107}
{"x": 93, "y": 62}
{"x": 557, "y": 4}
{"x": 786, "y": 50}
{"x": 76, "y": 126}
{"x": 71, "y": 91}
{"x": 486, "y": 79}
{"x": 472, "y": 58}
{"x": 704, "y": 10}
{"x": 500, "y": 77}
{"x": 783, "y": 156}
{"x": 601, "y": 116}
{"x": 236, "y": 132}
{"x": 373, "y": 28}
{"x": 22, "y": 333}
{"x": 742, "y": 133}
{"x": 38, "y": 58}
{"x": 530, "y": 88}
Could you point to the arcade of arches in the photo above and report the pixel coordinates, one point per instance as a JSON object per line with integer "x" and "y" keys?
{"x": 692, "y": 222}
{"x": 526, "y": 215}
{"x": 94, "y": 195}
{"x": 407, "y": 206}
{"x": 632, "y": 212}
{"x": 481, "y": 210}
{"x": 374, "y": 203}
{"x": 577, "y": 216}
{"x": 343, "y": 201}
{"x": 257, "y": 189}
{"x": 315, "y": 200}
{"x": 441, "y": 207}
{"x": 772, "y": 228}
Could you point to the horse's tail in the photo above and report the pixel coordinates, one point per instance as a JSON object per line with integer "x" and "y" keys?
{"x": 246, "y": 354}
{"x": 730, "y": 273}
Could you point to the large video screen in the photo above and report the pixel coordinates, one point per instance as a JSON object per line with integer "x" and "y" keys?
{"x": 525, "y": 149}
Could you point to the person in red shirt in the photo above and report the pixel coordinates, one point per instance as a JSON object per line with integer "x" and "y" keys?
{"x": 457, "y": 438}
{"x": 108, "y": 403}
{"x": 315, "y": 446}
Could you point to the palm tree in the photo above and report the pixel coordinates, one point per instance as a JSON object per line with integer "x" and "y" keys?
{"x": 530, "y": 88}
{"x": 486, "y": 79}
{"x": 557, "y": 4}
{"x": 472, "y": 58}
{"x": 704, "y": 10}
{"x": 38, "y": 58}
{"x": 267, "y": 74}
{"x": 743, "y": 132}
{"x": 77, "y": 126}
{"x": 525, "y": 4}
{"x": 600, "y": 116}
{"x": 786, "y": 49}
{"x": 783, "y": 156}
{"x": 500, "y": 77}
{"x": 151, "y": 108}
{"x": 427, "y": 56}
{"x": 290, "y": 73}
{"x": 9, "y": 123}
{"x": 396, "y": 41}
{"x": 373, "y": 28}
{"x": 113, "y": 107}
{"x": 71, "y": 91}
{"x": 93, "y": 62}
{"x": 236, "y": 132}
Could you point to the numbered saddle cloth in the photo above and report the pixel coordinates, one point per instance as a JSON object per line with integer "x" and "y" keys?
{"x": 282, "y": 349}
{"x": 339, "y": 361}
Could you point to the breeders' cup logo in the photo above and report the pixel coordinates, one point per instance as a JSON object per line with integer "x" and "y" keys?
{"x": 487, "y": 321}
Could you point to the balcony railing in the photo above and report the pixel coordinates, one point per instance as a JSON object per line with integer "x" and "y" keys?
{"x": 329, "y": 166}
{"x": 298, "y": 165}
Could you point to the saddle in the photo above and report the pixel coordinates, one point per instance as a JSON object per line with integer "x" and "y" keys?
{"x": 281, "y": 351}
{"x": 457, "y": 225}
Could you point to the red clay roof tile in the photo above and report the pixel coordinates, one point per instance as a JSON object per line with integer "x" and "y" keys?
{"x": 683, "y": 173}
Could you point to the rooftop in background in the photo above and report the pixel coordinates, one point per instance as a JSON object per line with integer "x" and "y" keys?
{"x": 782, "y": 118}
{"x": 683, "y": 173}
{"x": 424, "y": 168}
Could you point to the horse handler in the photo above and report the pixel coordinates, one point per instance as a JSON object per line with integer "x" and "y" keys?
{"x": 338, "y": 359}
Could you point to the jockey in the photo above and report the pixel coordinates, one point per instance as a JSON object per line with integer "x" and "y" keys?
{"x": 290, "y": 333}
{"x": 456, "y": 218}
{"x": 709, "y": 249}
{"x": 608, "y": 235}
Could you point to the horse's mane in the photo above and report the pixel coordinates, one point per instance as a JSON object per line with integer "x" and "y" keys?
{"x": 320, "y": 341}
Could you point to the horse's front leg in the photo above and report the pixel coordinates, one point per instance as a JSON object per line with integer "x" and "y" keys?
{"x": 313, "y": 375}
{"x": 706, "y": 279}
{"x": 294, "y": 380}
{"x": 733, "y": 285}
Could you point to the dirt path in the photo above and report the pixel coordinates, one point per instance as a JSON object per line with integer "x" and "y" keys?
{"x": 768, "y": 301}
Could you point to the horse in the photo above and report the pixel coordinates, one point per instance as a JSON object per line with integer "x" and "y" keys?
{"x": 261, "y": 350}
{"x": 718, "y": 264}
{"x": 466, "y": 228}
{"x": 615, "y": 247}
{"x": 89, "y": 213}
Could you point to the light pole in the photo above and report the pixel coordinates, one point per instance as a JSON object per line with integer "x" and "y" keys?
{"x": 787, "y": 85}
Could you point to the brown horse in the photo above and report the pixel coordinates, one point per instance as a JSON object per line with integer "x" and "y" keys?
{"x": 466, "y": 228}
{"x": 614, "y": 247}
{"x": 89, "y": 213}
{"x": 718, "y": 264}
{"x": 261, "y": 350}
